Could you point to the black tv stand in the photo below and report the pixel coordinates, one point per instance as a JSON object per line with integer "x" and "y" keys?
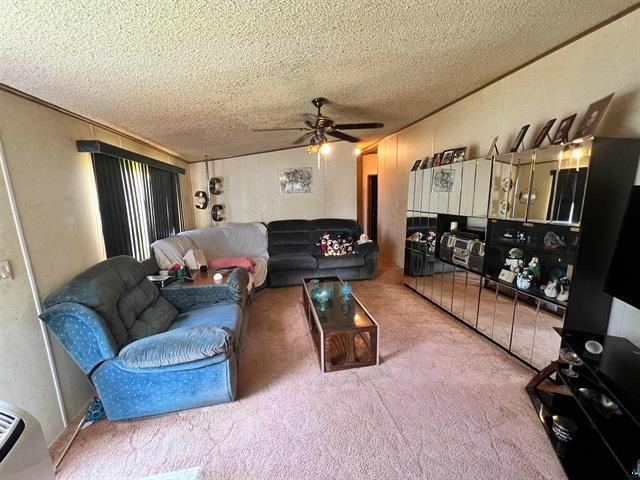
{"x": 606, "y": 442}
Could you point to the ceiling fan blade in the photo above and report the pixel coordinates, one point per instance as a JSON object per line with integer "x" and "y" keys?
{"x": 277, "y": 129}
{"x": 343, "y": 136}
{"x": 309, "y": 124}
{"x": 311, "y": 118}
{"x": 358, "y": 126}
{"x": 303, "y": 138}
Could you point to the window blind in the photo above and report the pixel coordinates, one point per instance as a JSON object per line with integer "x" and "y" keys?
{"x": 139, "y": 204}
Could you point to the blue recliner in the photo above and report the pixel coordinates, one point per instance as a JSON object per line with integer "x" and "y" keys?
{"x": 145, "y": 354}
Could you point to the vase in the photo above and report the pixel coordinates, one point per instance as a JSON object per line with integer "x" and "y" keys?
{"x": 346, "y": 289}
{"x": 523, "y": 282}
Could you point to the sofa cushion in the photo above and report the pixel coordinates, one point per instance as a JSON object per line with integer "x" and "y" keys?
{"x": 334, "y": 226}
{"x": 144, "y": 312}
{"x": 178, "y": 346}
{"x": 118, "y": 290}
{"x": 281, "y": 263}
{"x": 222, "y": 315}
{"x": 340, "y": 261}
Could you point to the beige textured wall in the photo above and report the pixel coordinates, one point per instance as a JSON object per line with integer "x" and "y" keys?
{"x": 560, "y": 84}
{"x": 252, "y": 191}
{"x": 55, "y": 194}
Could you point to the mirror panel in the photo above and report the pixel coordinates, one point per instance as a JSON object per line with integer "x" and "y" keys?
{"x": 482, "y": 187}
{"x": 441, "y": 185}
{"x": 459, "y": 288}
{"x": 570, "y": 183}
{"x": 540, "y": 198}
{"x": 417, "y": 198}
{"x": 411, "y": 190}
{"x": 409, "y": 276}
{"x": 471, "y": 297}
{"x": 546, "y": 342}
{"x": 501, "y": 201}
{"x": 503, "y": 317}
{"x": 486, "y": 306}
{"x": 437, "y": 281}
{"x": 448, "y": 272}
{"x": 468, "y": 187}
{"x": 521, "y": 174}
{"x": 427, "y": 177}
{"x": 427, "y": 281}
{"x": 433, "y": 201}
{"x": 455, "y": 174}
{"x": 524, "y": 326}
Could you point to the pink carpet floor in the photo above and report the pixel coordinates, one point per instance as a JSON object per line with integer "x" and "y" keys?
{"x": 443, "y": 404}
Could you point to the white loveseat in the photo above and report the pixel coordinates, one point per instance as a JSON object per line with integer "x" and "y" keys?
{"x": 225, "y": 240}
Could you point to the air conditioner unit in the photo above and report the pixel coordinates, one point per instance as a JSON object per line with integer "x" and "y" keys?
{"x": 23, "y": 449}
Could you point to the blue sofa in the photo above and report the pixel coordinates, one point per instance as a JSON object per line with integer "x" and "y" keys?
{"x": 144, "y": 354}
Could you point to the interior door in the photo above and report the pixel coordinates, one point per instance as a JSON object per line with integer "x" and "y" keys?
{"x": 373, "y": 207}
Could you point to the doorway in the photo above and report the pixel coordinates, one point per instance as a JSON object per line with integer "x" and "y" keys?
{"x": 372, "y": 207}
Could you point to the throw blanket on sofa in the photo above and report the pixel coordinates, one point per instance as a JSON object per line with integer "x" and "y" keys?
{"x": 226, "y": 240}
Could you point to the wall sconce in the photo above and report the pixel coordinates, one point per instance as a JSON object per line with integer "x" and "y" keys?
{"x": 215, "y": 186}
{"x": 216, "y": 210}
{"x": 202, "y": 200}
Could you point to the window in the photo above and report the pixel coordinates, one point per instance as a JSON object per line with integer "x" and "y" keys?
{"x": 139, "y": 204}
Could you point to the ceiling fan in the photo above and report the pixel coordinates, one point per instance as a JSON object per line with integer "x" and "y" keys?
{"x": 318, "y": 127}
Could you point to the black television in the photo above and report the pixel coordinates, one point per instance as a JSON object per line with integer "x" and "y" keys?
{"x": 621, "y": 280}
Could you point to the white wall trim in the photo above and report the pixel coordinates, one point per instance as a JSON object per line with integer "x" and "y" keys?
{"x": 32, "y": 281}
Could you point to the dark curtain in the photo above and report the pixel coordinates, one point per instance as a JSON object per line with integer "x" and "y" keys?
{"x": 138, "y": 205}
{"x": 113, "y": 205}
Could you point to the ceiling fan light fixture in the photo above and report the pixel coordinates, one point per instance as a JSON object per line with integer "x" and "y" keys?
{"x": 325, "y": 148}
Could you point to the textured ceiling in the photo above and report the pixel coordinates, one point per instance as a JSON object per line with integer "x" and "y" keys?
{"x": 197, "y": 77}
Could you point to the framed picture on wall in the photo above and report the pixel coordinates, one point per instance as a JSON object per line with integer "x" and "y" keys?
{"x": 543, "y": 133}
{"x": 437, "y": 158}
{"x": 562, "y": 134}
{"x": 296, "y": 180}
{"x": 592, "y": 118}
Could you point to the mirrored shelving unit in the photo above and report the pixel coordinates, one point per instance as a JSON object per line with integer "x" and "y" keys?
{"x": 466, "y": 219}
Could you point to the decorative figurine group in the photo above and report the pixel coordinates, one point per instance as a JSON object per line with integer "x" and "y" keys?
{"x": 335, "y": 246}
{"x": 558, "y": 285}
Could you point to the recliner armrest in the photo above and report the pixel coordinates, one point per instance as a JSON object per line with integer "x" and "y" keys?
{"x": 83, "y": 333}
{"x": 179, "y": 346}
{"x": 234, "y": 290}
{"x": 366, "y": 249}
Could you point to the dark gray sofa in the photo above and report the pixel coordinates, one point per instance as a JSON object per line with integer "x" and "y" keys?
{"x": 294, "y": 255}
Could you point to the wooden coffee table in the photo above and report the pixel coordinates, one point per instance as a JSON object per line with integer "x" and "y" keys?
{"x": 344, "y": 334}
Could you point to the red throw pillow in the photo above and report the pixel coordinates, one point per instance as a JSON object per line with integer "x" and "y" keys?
{"x": 231, "y": 262}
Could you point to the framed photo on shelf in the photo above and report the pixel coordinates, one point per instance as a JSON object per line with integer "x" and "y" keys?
{"x": 519, "y": 138}
{"x": 437, "y": 158}
{"x": 493, "y": 147}
{"x": 429, "y": 161}
{"x": 507, "y": 276}
{"x": 447, "y": 156}
{"x": 416, "y": 165}
{"x": 423, "y": 163}
{"x": 592, "y": 118}
{"x": 562, "y": 134}
{"x": 459, "y": 155}
{"x": 543, "y": 133}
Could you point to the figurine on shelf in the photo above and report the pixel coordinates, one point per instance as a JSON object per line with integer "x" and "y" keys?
{"x": 551, "y": 289}
{"x": 515, "y": 261}
{"x": 534, "y": 268}
{"x": 431, "y": 241}
{"x": 524, "y": 280}
{"x": 563, "y": 295}
{"x": 415, "y": 237}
